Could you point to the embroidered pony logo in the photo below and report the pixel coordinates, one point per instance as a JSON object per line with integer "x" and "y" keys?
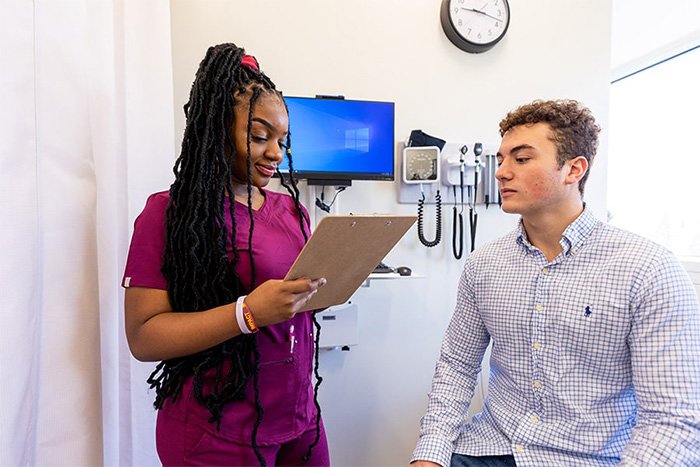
{"x": 587, "y": 313}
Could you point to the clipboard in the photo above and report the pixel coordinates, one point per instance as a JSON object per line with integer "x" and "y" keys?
{"x": 345, "y": 249}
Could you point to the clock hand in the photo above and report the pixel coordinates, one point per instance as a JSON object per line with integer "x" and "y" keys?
{"x": 481, "y": 12}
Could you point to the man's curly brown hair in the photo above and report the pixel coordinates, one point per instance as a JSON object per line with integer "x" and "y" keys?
{"x": 574, "y": 130}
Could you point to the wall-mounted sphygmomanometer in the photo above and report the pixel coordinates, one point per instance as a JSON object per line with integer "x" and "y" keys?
{"x": 421, "y": 165}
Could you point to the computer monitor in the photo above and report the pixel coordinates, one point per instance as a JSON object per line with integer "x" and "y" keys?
{"x": 336, "y": 140}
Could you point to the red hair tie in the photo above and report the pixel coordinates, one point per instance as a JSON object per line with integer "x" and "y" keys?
{"x": 250, "y": 61}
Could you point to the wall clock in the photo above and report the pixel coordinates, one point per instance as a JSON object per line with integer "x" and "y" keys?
{"x": 475, "y": 26}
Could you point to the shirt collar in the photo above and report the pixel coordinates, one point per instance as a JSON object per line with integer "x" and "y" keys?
{"x": 573, "y": 235}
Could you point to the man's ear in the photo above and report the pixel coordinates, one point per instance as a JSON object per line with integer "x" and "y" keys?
{"x": 577, "y": 168}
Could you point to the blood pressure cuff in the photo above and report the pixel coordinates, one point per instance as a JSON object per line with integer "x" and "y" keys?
{"x": 418, "y": 138}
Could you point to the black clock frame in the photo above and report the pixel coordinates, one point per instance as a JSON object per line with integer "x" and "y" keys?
{"x": 464, "y": 44}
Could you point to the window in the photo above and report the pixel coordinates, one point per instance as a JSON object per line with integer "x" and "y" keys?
{"x": 654, "y": 162}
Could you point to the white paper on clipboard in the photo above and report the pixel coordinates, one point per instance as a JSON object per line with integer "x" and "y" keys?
{"x": 345, "y": 249}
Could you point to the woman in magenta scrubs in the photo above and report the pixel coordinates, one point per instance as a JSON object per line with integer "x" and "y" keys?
{"x": 204, "y": 289}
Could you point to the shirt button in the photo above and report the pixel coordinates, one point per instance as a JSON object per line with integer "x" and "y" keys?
{"x": 519, "y": 448}
{"x": 539, "y": 307}
{"x": 537, "y": 384}
{"x": 536, "y": 346}
{"x": 534, "y": 419}
{"x": 545, "y": 270}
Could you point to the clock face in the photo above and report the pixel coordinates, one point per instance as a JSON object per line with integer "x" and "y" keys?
{"x": 475, "y": 25}
{"x": 421, "y": 164}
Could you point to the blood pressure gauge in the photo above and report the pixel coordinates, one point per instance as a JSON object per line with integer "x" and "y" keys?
{"x": 421, "y": 164}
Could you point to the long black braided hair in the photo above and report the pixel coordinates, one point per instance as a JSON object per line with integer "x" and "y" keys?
{"x": 196, "y": 266}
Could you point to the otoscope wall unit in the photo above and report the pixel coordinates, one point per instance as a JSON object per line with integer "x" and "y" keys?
{"x": 458, "y": 168}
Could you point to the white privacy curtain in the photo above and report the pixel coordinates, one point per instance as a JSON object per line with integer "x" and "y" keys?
{"x": 86, "y": 119}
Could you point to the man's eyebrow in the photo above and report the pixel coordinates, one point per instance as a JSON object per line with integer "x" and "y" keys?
{"x": 521, "y": 147}
{"x": 266, "y": 123}
{"x": 516, "y": 150}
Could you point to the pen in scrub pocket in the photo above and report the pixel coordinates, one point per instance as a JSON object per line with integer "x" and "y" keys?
{"x": 291, "y": 339}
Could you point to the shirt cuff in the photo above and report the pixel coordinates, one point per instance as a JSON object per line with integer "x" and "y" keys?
{"x": 434, "y": 449}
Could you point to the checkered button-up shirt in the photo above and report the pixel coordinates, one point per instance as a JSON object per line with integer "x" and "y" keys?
{"x": 595, "y": 355}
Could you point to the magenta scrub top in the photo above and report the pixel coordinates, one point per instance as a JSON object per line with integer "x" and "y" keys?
{"x": 286, "y": 391}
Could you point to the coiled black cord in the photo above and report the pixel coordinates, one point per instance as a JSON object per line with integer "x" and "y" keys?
{"x": 438, "y": 220}
{"x": 457, "y": 215}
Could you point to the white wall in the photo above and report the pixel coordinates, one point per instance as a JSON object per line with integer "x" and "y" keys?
{"x": 374, "y": 395}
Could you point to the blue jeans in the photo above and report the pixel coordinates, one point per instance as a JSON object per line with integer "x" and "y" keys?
{"x": 460, "y": 460}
